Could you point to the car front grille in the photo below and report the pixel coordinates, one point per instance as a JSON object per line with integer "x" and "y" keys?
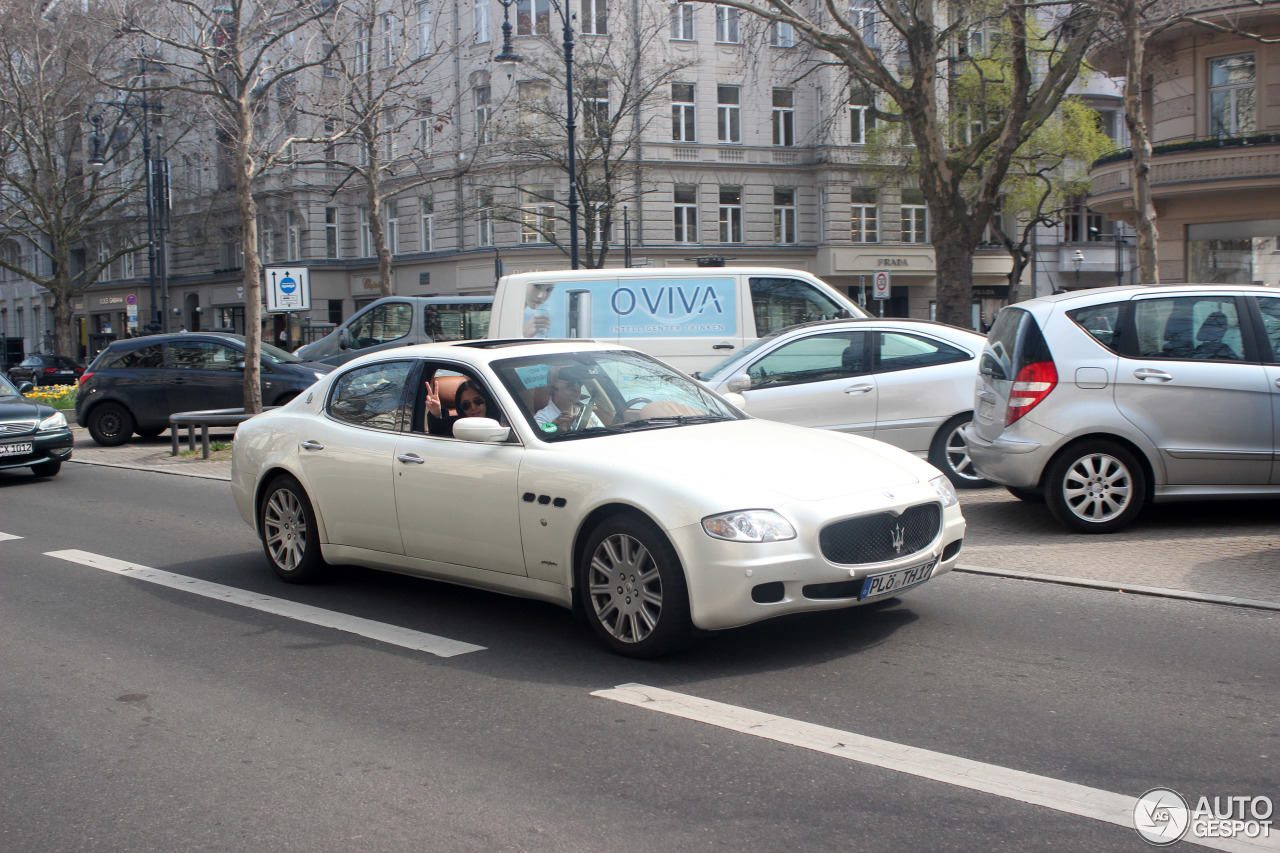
{"x": 17, "y": 427}
{"x": 880, "y": 537}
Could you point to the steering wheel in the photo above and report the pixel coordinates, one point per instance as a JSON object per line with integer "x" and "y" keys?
{"x": 635, "y": 401}
{"x": 583, "y": 417}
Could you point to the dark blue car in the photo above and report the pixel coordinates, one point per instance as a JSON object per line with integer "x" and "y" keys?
{"x": 32, "y": 435}
{"x": 134, "y": 385}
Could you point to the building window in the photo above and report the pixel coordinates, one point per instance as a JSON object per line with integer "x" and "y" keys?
{"x": 782, "y": 35}
{"x": 1082, "y": 225}
{"x": 266, "y": 241}
{"x": 481, "y": 95}
{"x": 728, "y": 112}
{"x": 861, "y": 116}
{"x": 784, "y": 216}
{"x": 391, "y": 233}
{"x": 331, "y": 232}
{"x": 364, "y": 46}
{"x": 595, "y": 108}
{"x": 329, "y": 67}
{"x": 1233, "y": 109}
{"x": 533, "y": 17}
{"x": 423, "y": 9}
{"x": 426, "y": 125}
{"x": 537, "y": 215}
{"x": 366, "y": 236}
{"x": 863, "y": 220}
{"x": 536, "y": 108}
{"x": 727, "y": 25}
{"x": 915, "y": 217}
{"x": 427, "y": 224}
{"x": 128, "y": 265}
{"x": 484, "y": 218}
{"x": 862, "y": 14}
{"x": 595, "y": 18}
{"x": 389, "y": 27}
{"x": 682, "y": 21}
{"x": 686, "y": 213}
{"x": 388, "y": 133}
{"x": 683, "y": 124}
{"x": 731, "y": 214}
{"x": 784, "y": 117}
{"x": 293, "y": 249}
{"x": 482, "y": 21}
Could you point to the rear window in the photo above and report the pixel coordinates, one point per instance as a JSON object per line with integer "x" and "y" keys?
{"x": 1013, "y": 342}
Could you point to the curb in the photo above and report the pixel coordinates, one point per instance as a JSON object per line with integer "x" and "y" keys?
{"x": 134, "y": 467}
{"x": 1114, "y": 586}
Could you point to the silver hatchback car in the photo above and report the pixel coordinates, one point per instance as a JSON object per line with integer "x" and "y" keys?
{"x": 904, "y": 382}
{"x": 1100, "y": 401}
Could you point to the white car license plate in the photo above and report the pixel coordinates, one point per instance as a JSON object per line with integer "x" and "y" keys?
{"x": 896, "y": 581}
{"x": 15, "y": 449}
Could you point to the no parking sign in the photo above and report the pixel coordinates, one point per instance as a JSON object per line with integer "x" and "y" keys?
{"x": 880, "y": 290}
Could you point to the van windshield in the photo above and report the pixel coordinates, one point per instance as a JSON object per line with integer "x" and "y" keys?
{"x": 461, "y": 321}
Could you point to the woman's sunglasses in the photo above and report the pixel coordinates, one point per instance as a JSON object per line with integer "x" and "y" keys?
{"x": 471, "y": 403}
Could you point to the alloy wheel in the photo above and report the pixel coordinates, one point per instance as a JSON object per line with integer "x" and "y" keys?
{"x": 1097, "y": 488}
{"x": 625, "y": 588}
{"x": 285, "y": 526}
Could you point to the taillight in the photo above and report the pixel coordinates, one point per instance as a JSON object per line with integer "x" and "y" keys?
{"x": 51, "y": 370}
{"x": 1032, "y": 384}
{"x": 84, "y": 377}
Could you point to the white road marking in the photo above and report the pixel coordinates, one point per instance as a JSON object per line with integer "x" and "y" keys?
{"x": 403, "y": 637}
{"x": 5, "y": 537}
{"x": 1001, "y": 781}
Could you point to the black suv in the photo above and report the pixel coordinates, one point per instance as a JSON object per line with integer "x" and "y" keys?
{"x": 134, "y": 385}
{"x": 41, "y": 369}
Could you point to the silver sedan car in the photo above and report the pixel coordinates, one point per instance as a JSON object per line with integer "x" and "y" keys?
{"x": 905, "y": 382}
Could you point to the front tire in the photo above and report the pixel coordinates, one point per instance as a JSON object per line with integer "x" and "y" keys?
{"x": 1096, "y": 486}
{"x": 48, "y": 468}
{"x": 110, "y": 424}
{"x": 290, "y": 537}
{"x": 950, "y": 454}
{"x": 633, "y": 588}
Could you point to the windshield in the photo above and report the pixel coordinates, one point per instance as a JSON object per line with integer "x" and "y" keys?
{"x": 7, "y": 389}
{"x": 585, "y": 394}
{"x": 713, "y": 372}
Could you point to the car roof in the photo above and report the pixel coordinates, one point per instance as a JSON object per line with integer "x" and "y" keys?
{"x": 892, "y": 322}
{"x": 482, "y": 352}
{"x": 149, "y": 340}
{"x": 1125, "y": 291}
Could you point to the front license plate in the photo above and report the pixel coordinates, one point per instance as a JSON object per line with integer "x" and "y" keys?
{"x": 15, "y": 449}
{"x": 896, "y": 581}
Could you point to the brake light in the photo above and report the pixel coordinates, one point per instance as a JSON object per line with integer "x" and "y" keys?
{"x": 51, "y": 370}
{"x": 1032, "y": 384}
{"x": 84, "y": 377}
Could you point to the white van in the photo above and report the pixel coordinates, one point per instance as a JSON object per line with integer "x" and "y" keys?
{"x": 688, "y": 317}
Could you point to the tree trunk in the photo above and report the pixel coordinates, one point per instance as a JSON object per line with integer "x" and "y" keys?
{"x": 1145, "y": 208}
{"x": 252, "y": 265}
{"x": 953, "y": 255}
{"x": 63, "y": 325}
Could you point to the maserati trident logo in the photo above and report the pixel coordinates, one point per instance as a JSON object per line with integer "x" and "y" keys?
{"x": 899, "y": 534}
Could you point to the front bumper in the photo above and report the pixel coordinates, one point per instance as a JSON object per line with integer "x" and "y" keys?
{"x": 722, "y": 575}
{"x": 45, "y": 447}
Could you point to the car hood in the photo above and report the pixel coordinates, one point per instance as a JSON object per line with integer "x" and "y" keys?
{"x": 22, "y": 409}
{"x": 793, "y": 462}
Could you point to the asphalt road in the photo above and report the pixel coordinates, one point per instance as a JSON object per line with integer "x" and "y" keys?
{"x": 139, "y": 717}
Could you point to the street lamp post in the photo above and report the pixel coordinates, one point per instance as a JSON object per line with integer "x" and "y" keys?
{"x": 157, "y": 179}
{"x": 510, "y": 57}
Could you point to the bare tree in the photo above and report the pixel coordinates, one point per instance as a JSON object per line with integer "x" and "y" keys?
{"x": 48, "y": 200}
{"x": 235, "y": 57}
{"x": 912, "y": 52}
{"x": 619, "y": 80}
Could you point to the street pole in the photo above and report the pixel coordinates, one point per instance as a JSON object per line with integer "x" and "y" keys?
{"x": 570, "y": 128}
{"x": 626, "y": 237}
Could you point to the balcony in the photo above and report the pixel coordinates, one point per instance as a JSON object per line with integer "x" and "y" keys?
{"x": 1192, "y": 167}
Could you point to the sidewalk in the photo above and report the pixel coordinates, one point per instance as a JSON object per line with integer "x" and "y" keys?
{"x": 152, "y": 454}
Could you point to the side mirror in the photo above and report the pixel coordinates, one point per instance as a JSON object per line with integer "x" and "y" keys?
{"x": 480, "y": 429}
{"x": 738, "y": 383}
{"x": 344, "y": 339}
{"x": 239, "y": 365}
{"x": 25, "y": 387}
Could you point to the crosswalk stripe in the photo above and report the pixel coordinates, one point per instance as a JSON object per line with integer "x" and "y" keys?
{"x": 5, "y": 537}
{"x": 403, "y": 637}
{"x": 989, "y": 778}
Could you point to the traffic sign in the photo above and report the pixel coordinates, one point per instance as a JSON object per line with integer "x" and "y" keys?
{"x": 880, "y": 290}
{"x": 131, "y": 299}
{"x": 288, "y": 289}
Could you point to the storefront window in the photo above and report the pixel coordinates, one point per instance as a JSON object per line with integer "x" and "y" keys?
{"x": 1234, "y": 252}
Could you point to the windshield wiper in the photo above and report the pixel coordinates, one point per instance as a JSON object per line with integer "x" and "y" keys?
{"x": 666, "y": 421}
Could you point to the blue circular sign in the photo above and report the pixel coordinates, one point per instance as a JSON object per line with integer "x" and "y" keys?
{"x": 288, "y": 285}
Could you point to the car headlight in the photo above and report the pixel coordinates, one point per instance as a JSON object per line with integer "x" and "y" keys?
{"x": 945, "y": 490}
{"x": 750, "y": 525}
{"x": 55, "y": 421}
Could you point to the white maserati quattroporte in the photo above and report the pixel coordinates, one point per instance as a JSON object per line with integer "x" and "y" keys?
{"x": 586, "y": 474}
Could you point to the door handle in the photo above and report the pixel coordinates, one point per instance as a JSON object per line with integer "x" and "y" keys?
{"x": 1148, "y": 374}
{"x": 857, "y": 389}
{"x": 722, "y": 346}
{"x": 311, "y": 445}
{"x": 1278, "y": 383}
{"x": 411, "y": 458}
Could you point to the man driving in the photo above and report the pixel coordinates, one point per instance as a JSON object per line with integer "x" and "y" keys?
{"x": 566, "y": 405}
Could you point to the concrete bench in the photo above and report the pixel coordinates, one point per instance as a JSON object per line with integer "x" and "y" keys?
{"x": 204, "y": 420}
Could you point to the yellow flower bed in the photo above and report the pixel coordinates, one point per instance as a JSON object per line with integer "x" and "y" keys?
{"x": 58, "y": 396}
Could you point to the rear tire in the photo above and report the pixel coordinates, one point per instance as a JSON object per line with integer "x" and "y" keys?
{"x": 47, "y": 469}
{"x": 950, "y": 455}
{"x": 110, "y": 424}
{"x": 1096, "y": 486}
{"x": 633, "y": 589}
{"x": 290, "y": 536}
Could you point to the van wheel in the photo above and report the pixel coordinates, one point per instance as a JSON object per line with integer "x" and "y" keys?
{"x": 950, "y": 454}
{"x": 110, "y": 424}
{"x": 633, "y": 588}
{"x": 1096, "y": 486}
